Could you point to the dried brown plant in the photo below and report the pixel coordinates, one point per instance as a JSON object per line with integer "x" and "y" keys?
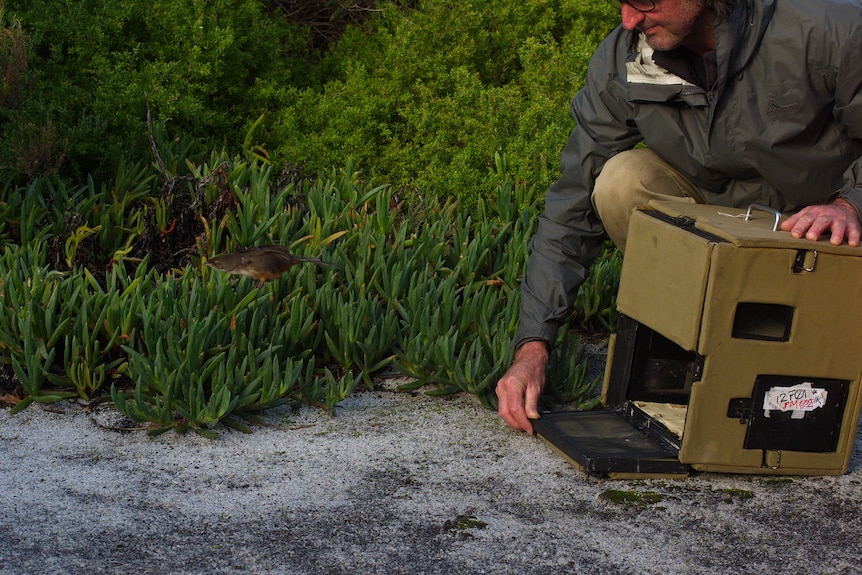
{"x": 40, "y": 151}
{"x": 13, "y": 59}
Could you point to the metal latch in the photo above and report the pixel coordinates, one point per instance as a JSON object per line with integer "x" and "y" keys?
{"x": 805, "y": 261}
{"x": 771, "y": 459}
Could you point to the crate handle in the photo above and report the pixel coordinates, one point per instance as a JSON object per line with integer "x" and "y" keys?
{"x": 763, "y": 208}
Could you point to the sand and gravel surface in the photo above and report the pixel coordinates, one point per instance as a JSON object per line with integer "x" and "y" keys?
{"x": 394, "y": 483}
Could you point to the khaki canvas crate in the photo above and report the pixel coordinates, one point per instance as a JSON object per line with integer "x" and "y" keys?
{"x": 739, "y": 349}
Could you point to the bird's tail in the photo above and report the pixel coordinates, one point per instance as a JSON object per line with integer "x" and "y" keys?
{"x": 317, "y": 261}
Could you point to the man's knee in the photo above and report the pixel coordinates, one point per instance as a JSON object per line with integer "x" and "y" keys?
{"x": 630, "y": 179}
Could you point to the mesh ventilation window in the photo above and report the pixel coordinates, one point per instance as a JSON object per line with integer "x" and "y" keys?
{"x": 763, "y": 321}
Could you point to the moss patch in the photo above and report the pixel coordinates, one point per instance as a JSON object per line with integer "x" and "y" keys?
{"x": 736, "y": 493}
{"x": 463, "y": 522}
{"x": 636, "y": 498}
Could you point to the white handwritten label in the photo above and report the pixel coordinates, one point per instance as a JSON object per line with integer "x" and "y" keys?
{"x": 799, "y": 399}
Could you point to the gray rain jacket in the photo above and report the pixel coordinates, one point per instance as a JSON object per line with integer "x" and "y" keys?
{"x": 781, "y": 126}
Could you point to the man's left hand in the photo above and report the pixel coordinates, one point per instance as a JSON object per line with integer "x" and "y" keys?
{"x": 839, "y": 218}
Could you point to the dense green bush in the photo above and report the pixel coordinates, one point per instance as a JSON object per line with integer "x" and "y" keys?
{"x": 427, "y": 100}
{"x": 422, "y": 99}
{"x": 93, "y": 64}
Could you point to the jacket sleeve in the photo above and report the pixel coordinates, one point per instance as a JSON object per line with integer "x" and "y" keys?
{"x": 570, "y": 235}
{"x": 848, "y": 111}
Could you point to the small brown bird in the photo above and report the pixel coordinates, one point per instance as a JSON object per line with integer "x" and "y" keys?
{"x": 263, "y": 263}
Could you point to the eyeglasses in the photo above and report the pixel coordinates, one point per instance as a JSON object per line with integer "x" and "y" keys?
{"x": 639, "y": 5}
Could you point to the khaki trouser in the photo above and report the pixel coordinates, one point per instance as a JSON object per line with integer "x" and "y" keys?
{"x": 633, "y": 178}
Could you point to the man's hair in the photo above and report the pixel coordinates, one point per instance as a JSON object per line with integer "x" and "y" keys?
{"x": 723, "y": 8}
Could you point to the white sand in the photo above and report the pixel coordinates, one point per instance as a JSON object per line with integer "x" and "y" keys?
{"x": 395, "y": 483}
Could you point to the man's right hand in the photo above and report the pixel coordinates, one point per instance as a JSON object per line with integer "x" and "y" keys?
{"x": 839, "y": 219}
{"x": 519, "y": 389}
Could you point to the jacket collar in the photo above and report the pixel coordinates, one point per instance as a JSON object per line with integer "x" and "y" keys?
{"x": 738, "y": 38}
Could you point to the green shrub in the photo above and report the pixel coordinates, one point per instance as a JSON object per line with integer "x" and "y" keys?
{"x": 93, "y": 65}
{"x": 423, "y": 99}
{"x": 428, "y": 99}
{"x": 453, "y": 110}
{"x": 430, "y": 289}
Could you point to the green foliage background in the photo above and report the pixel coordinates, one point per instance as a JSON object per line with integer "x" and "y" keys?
{"x": 431, "y": 96}
{"x": 94, "y": 63}
{"x": 140, "y": 138}
{"x": 419, "y": 98}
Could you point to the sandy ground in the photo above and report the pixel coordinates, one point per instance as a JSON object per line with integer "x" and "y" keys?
{"x": 394, "y": 483}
